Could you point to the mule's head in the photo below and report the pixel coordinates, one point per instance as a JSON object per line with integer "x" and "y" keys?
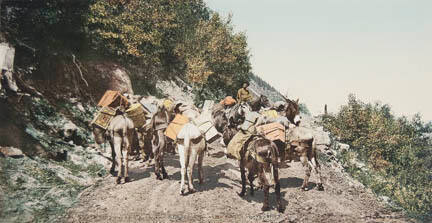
{"x": 98, "y": 133}
{"x": 220, "y": 121}
{"x": 292, "y": 111}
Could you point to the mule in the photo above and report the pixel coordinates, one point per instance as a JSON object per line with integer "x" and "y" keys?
{"x": 119, "y": 134}
{"x": 158, "y": 124}
{"x": 121, "y": 130}
{"x": 301, "y": 147}
{"x": 101, "y": 136}
{"x": 258, "y": 155}
{"x": 191, "y": 145}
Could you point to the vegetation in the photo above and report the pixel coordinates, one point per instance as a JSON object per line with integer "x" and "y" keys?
{"x": 158, "y": 38}
{"x": 398, "y": 152}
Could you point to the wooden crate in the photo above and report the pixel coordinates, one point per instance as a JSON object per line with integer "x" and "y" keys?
{"x": 104, "y": 117}
{"x": 137, "y": 114}
{"x": 273, "y": 131}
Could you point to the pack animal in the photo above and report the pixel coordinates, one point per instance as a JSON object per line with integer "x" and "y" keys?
{"x": 158, "y": 124}
{"x": 302, "y": 146}
{"x": 191, "y": 145}
{"x": 258, "y": 155}
{"x": 119, "y": 133}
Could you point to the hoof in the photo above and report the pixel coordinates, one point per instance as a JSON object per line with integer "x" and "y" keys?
{"x": 241, "y": 194}
{"x": 118, "y": 180}
{"x": 304, "y": 188}
{"x": 158, "y": 177}
{"x": 281, "y": 209}
{"x": 127, "y": 179}
{"x": 320, "y": 187}
{"x": 112, "y": 172}
{"x": 165, "y": 176}
{"x": 265, "y": 208}
{"x": 191, "y": 191}
{"x": 182, "y": 192}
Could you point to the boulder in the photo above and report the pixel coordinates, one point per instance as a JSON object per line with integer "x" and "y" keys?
{"x": 69, "y": 132}
{"x": 341, "y": 147}
{"x": 11, "y": 152}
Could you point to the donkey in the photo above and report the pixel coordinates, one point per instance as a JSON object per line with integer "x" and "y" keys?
{"x": 191, "y": 144}
{"x": 101, "y": 136}
{"x": 258, "y": 155}
{"x": 119, "y": 133}
{"x": 159, "y": 123}
{"x": 301, "y": 147}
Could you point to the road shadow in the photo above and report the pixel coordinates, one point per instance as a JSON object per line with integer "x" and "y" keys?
{"x": 212, "y": 177}
{"x": 293, "y": 182}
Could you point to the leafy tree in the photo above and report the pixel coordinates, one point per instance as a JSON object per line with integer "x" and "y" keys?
{"x": 398, "y": 151}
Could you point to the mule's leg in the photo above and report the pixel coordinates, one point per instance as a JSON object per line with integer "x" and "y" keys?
{"x": 200, "y": 169}
{"x": 193, "y": 155}
{"x": 316, "y": 166}
{"x": 117, "y": 145}
{"x": 164, "y": 173}
{"x": 156, "y": 152}
{"x": 303, "y": 160}
{"x": 182, "y": 156}
{"x": 162, "y": 148}
{"x": 266, "y": 187}
{"x": 127, "y": 146}
{"x": 251, "y": 178}
{"x": 141, "y": 144}
{"x": 277, "y": 187}
{"x": 113, "y": 157}
{"x": 243, "y": 177}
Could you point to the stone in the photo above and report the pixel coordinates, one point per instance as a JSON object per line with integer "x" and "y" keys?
{"x": 342, "y": 147}
{"x": 80, "y": 107}
{"x": 10, "y": 81}
{"x": 11, "y": 152}
{"x": 68, "y": 131}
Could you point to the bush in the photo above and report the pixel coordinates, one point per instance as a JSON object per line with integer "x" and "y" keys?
{"x": 397, "y": 151}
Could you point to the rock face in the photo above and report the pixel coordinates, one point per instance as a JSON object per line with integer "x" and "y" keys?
{"x": 108, "y": 76}
{"x": 85, "y": 79}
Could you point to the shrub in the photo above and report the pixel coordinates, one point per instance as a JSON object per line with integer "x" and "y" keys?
{"x": 397, "y": 151}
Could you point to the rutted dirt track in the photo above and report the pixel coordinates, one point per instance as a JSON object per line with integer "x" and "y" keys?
{"x": 146, "y": 199}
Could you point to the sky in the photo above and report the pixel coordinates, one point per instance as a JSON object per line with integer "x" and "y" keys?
{"x": 320, "y": 51}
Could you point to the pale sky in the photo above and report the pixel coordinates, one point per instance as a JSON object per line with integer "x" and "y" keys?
{"x": 322, "y": 50}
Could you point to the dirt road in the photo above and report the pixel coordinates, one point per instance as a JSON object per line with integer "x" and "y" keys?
{"x": 146, "y": 199}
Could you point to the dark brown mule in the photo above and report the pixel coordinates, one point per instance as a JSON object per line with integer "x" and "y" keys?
{"x": 258, "y": 156}
{"x": 158, "y": 125}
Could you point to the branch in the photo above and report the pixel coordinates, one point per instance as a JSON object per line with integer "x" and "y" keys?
{"x": 79, "y": 69}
